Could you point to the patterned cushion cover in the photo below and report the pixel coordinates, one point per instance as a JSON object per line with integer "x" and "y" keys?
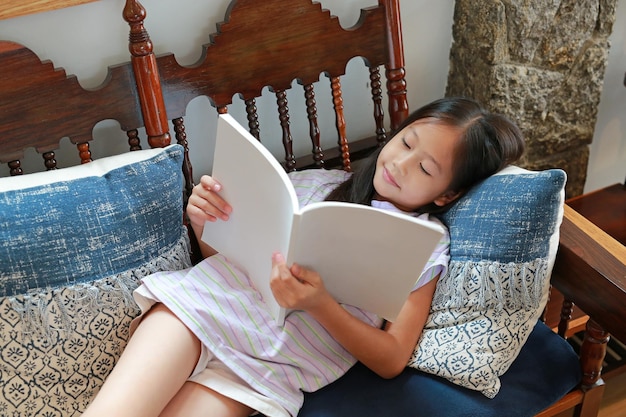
{"x": 504, "y": 236}
{"x": 73, "y": 245}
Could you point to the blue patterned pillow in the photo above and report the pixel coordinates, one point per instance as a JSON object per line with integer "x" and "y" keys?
{"x": 81, "y": 229}
{"x": 74, "y": 243}
{"x": 503, "y": 241}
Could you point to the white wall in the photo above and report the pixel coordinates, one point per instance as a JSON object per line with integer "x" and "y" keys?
{"x": 607, "y": 161}
{"x": 86, "y": 39}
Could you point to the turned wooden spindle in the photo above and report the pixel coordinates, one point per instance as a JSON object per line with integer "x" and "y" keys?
{"x": 340, "y": 123}
{"x": 253, "y": 118}
{"x": 377, "y": 98}
{"x": 15, "y": 168}
{"x": 566, "y": 315}
{"x": 49, "y": 160}
{"x": 146, "y": 76}
{"x": 314, "y": 130}
{"x": 181, "y": 139}
{"x": 84, "y": 153}
{"x": 283, "y": 116}
{"x": 592, "y": 353}
{"x": 134, "y": 143}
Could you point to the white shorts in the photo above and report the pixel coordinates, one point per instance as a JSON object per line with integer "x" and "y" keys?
{"x": 213, "y": 374}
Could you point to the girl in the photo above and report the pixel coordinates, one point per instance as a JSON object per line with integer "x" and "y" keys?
{"x": 206, "y": 346}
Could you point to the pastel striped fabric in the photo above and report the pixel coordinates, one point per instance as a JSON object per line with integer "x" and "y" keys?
{"x": 216, "y": 301}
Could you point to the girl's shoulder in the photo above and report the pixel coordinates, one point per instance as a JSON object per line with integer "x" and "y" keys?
{"x": 317, "y": 176}
{"x": 314, "y": 184}
{"x": 434, "y": 219}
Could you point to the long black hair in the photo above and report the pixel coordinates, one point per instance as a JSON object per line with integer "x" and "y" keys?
{"x": 488, "y": 142}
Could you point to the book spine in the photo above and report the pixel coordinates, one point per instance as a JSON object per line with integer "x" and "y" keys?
{"x": 290, "y": 257}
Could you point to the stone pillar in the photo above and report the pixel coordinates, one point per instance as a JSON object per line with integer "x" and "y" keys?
{"x": 542, "y": 63}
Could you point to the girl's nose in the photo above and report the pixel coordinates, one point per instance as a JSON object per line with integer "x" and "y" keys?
{"x": 402, "y": 162}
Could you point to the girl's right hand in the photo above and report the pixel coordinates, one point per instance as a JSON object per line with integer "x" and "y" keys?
{"x": 205, "y": 203}
{"x": 296, "y": 287}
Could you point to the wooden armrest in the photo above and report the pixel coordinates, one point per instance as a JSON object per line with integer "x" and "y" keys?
{"x": 590, "y": 270}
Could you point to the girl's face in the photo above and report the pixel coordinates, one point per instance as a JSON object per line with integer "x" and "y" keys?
{"x": 415, "y": 166}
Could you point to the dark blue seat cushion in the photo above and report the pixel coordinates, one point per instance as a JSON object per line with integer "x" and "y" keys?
{"x": 545, "y": 370}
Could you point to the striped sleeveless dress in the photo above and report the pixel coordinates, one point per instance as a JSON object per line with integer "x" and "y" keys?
{"x": 246, "y": 356}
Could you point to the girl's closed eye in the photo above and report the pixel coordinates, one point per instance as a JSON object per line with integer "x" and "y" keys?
{"x": 405, "y": 143}
{"x": 424, "y": 169}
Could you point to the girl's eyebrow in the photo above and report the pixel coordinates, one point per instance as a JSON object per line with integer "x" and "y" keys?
{"x": 426, "y": 153}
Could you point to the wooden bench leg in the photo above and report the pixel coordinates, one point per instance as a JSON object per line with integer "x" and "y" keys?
{"x": 592, "y": 354}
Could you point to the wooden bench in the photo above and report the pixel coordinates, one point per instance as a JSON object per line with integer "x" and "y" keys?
{"x": 39, "y": 105}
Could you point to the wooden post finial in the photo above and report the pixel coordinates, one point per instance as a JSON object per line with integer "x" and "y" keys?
{"x": 146, "y": 76}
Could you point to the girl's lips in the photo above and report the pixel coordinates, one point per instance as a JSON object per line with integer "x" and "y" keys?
{"x": 389, "y": 178}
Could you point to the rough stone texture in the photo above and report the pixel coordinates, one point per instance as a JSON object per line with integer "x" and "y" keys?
{"x": 542, "y": 63}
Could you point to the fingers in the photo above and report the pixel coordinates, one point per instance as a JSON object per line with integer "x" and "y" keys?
{"x": 278, "y": 258}
{"x": 295, "y": 287}
{"x": 301, "y": 274}
{"x": 280, "y": 271}
{"x": 282, "y": 282}
{"x": 205, "y": 203}
{"x": 209, "y": 183}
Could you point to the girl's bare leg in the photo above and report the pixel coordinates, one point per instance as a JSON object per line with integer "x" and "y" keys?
{"x": 195, "y": 400}
{"x": 155, "y": 364}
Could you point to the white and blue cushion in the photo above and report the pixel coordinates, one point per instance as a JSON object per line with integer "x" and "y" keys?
{"x": 503, "y": 239}
{"x": 74, "y": 243}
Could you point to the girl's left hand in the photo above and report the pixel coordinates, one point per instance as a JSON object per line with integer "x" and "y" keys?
{"x": 296, "y": 287}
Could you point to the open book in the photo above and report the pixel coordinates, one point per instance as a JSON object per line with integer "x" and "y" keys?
{"x": 367, "y": 257}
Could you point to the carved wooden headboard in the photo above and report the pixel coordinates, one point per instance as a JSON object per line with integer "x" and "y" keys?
{"x": 248, "y": 53}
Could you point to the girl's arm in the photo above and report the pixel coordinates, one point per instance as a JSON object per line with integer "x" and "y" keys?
{"x": 385, "y": 352}
{"x": 205, "y": 204}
